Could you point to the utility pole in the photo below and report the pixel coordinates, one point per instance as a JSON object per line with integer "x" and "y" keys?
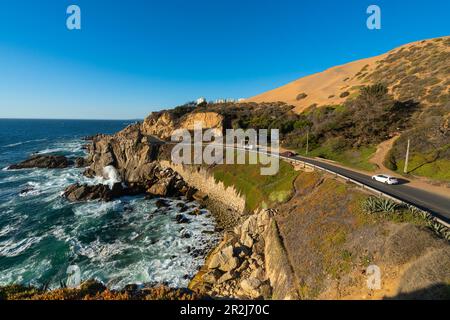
{"x": 307, "y": 141}
{"x": 407, "y": 157}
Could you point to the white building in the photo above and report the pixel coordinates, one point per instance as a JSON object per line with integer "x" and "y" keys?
{"x": 201, "y": 100}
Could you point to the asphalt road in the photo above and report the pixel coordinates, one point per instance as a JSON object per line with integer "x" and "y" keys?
{"x": 436, "y": 204}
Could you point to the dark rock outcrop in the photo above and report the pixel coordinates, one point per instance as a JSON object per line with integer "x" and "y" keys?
{"x": 128, "y": 151}
{"x": 81, "y": 162}
{"x": 44, "y": 162}
{"x": 161, "y": 182}
{"x": 78, "y": 192}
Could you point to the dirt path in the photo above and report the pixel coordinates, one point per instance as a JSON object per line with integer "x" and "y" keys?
{"x": 416, "y": 182}
{"x": 381, "y": 153}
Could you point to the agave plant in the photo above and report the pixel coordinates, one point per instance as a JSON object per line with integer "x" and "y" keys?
{"x": 369, "y": 205}
{"x": 436, "y": 227}
{"x": 420, "y": 213}
{"x": 375, "y": 205}
{"x": 440, "y": 230}
{"x": 388, "y": 205}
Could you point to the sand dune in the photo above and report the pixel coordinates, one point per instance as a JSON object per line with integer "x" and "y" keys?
{"x": 325, "y": 88}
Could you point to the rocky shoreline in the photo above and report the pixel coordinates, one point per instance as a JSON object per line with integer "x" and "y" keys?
{"x": 131, "y": 164}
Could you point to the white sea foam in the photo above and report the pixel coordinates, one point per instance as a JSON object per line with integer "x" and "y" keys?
{"x": 21, "y": 143}
{"x": 7, "y": 229}
{"x": 12, "y": 248}
{"x": 111, "y": 175}
{"x": 121, "y": 242}
{"x": 73, "y": 146}
{"x": 96, "y": 209}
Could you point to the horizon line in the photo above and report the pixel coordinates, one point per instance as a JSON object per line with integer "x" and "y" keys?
{"x": 77, "y": 119}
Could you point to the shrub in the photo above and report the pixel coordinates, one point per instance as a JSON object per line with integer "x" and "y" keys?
{"x": 301, "y": 96}
{"x": 344, "y": 94}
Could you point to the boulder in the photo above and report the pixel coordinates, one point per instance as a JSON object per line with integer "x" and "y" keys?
{"x": 81, "y": 162}
{"x": 43, "y": 162}
{"x": 89, "y": 173}
{"x": 161, "y": 203}
{"x": 200, "y": 196}
{"x": 227, "y": 276}
{"x": 195, "y": 212}
{"x": 224, "y": 260}
{"x": 78, "y": 192}
{"x": 163, "y": 187}
{"x": 27, "y": 190}
{"x": 181, "y": 219}
{"x": 246, "y": 240}
{"x": 250, "y": 287}
{"x": 212, "y": 276}
{"x": 190, "y": 193}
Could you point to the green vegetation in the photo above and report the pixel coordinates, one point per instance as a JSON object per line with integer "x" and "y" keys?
{"x": 375, "y": 205}
{"x": 260, "y": 191}
{"x": 430, "y": 148}
{"x": 393, "y": 211}
{"x": 419, "y": 165}
{"x": 349, "y": 133}
{"x": 413, "y": 71}
{"x": 353, "y": 158}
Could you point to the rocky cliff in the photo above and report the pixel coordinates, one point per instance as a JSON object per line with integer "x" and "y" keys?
{"x": 163, "y": 124}
{"x": 133, "y": 150}
{"x": 129, "y": 151}
{"x": 236, "y": 268}
{"x": 316, "y": 245}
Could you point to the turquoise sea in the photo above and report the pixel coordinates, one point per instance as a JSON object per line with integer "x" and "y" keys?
{"x": 126, "y": 241}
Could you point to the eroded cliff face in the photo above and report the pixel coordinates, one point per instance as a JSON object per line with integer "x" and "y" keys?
{"x": 160, "y": 125}
{"x": 236, "y": 267}
{"x": 165, "y": 123}
{"x": 133, "y": 151}
{"x": 208, "y": 120}
{"x": 128, "y": 151}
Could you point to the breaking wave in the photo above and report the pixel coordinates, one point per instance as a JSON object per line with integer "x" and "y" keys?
{"x": 129, "y": 240}
{"x": 22, "y": 142}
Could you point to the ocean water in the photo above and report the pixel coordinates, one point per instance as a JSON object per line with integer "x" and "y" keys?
{"x": 127, "y": 241}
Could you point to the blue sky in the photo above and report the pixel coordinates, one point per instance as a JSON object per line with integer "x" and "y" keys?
{"x": 137, "y": 56}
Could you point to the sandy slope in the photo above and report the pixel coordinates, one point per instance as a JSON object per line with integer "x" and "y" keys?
{"x": 319, "y": 87}
{"x": 325, "y": 88}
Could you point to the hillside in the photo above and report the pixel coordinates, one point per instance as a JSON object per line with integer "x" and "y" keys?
{"x": 346, "y": 113}
{"x": 410, "y": 71}
{"x": 351, "y": 110}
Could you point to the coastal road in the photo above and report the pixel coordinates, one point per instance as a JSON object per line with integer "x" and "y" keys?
{"x": 438, "y": 205}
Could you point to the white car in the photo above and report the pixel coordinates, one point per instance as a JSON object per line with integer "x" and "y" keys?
{"x": 384, "y": 178}
{"x": 249, "y": 147}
